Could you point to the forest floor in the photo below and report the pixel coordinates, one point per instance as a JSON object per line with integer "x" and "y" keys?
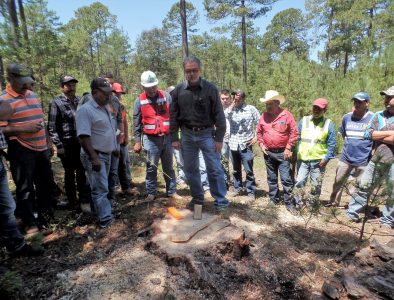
{"x": 286, "y": 258}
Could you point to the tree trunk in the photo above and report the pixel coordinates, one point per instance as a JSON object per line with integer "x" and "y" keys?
{"x": 14, "y": 23}
{"x": 346, "y": 63}
{"x": 2, "y": 78}
{"x": 329, "y": 34}
{"x": 24, "y": 25}
{"x": 185, "y": 46}
{"x": 243, "y": 28}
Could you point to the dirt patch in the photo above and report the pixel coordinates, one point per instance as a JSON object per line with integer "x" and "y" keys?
{"x": 282, "y": 259}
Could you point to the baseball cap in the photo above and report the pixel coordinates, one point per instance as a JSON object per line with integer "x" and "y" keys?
{"x": 149, "y": 79}
{"x": 67, "y": 78}
{"x": 388, "y": 92}
{"x": 117, "y": 88}
{"x": 240, "y": 92}
{"x": 102, "y": 84}
{"x": 362, "y": 96}
{"x": 21, "y": 73}
{"x": 321, "y": 102}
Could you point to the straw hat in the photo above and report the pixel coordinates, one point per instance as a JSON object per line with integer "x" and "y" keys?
{"x": 272, "y": 95}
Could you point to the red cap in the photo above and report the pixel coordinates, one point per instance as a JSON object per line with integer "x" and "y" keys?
{"x": 321, "y": 102}
{"x": 117, "y": 87}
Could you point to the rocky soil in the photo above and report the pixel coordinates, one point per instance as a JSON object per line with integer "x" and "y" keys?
{"x": 273, "y": 255}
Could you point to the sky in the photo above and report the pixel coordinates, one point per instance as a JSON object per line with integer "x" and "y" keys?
{"x": 135, "y": 16}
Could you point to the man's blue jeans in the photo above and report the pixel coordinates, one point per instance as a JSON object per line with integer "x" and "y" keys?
{"x": 226, "y": 153}
{"x": 124, "y": 172}
{"x": 159, "y": 147}
{"x": 275, "y": 164}
{"x": 9, "y": 232}
{"x": 179, "y": 166}
{"x": 99, "y": 185}
{"x": 203, "y": 169}
{"x": 312, "y": 169}
{"x": 244, "y": 157}
{"x": 203, "y": 172}
{"x": 192, "y": 143}
{"x": 113, "y": 178}
{"x": 374, "y": 175}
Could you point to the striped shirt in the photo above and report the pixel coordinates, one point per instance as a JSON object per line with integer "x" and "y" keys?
{"x": 356, "y": 150}
{"x": 27, "y": 109}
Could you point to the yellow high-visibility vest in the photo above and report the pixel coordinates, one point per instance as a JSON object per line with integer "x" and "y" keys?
{"x": 313, "y": 143}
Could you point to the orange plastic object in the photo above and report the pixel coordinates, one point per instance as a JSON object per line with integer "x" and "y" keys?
{"x": 175, "y": 213}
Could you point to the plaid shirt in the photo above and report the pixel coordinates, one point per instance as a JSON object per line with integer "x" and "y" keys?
{"x": 243, "y": 121}
{"x": 3, "y": 142}
{"x": 61, "y": 119}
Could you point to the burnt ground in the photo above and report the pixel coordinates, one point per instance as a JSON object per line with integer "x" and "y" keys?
{"x": 285, "y": 259}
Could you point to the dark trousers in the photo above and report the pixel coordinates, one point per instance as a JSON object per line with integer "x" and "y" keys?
{"x": 245, "y": 158}
{"x": 276, "y": 163}
{"x": 10, "y": 235}
{"x": 74, "y": 173}
{"x": 31, "y": 171}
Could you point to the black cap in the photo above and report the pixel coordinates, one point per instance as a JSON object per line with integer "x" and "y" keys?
{"x": 100, "y": 83}
{"x": 240, "y": 92}
{"x": 21, "y": 73}
{"x": 67, "y": 78}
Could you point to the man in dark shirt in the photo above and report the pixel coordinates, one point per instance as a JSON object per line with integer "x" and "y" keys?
{"x": 63, "y": 133}
{"x": 197, "y": 111}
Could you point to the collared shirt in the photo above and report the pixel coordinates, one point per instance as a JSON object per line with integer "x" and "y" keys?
{"x": 356, "y": 150}
{"x": 277, "y": 132}
{"x": 96, "y": 122}
{"x": 197, "y": 106}
{"x": 137, "y": 115}
{"x": 26, "y": 110}
{"x": 331, "y": 138}
{"x": 61, "y": 119}
{"x": 243, "y": 121}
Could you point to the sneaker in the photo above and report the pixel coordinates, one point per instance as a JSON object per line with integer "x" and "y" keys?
{"x": 28, "y": 251}
{"x": 291, "y": 208}
{"x": 85, "y": 208}
{"x": 106, "y": 224}
{"x": 150, "y": 197}
{"x": 175, "y": 196}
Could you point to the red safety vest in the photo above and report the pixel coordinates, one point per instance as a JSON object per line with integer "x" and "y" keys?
{"x": 155, "y": 117}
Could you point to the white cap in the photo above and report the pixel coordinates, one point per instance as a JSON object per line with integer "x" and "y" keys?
{"x": 149, "y": 79}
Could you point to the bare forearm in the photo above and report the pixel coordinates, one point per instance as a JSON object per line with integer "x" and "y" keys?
{"x": 87, "y": 146}
{"x": 388, "y": 140}
{"x": 10, "y": 131}
{"x": 380, "y": 135}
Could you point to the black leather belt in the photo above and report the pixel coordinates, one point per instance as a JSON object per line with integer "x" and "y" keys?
{"x": 277, "y": 150}
{"x": 197, "y": 128}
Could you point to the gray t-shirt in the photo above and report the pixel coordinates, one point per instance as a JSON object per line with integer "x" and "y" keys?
{"x": 96, "y": 122}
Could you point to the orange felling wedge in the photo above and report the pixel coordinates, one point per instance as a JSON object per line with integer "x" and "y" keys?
{"x": 175, "y": 213}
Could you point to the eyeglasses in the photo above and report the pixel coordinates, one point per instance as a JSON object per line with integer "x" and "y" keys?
{"x": 189, "y": 71}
